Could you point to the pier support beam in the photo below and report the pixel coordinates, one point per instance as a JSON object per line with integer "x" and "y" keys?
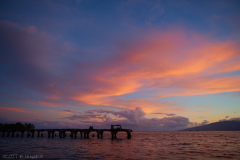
{"x": 38, "y": 132}
{"x": 75, "y": 134}
{"x": 63, "y": 134}
{"x": 13, "y": 133}
{"x": 129, "y": 135}
{"x": 49, "y": 134}
{"x": 86, "y": 134}
{"x": 99, "y": 134}
{"x": 114, "y": 134}
{"x": 81, "y": 134}
{"x": 3, "y": 133}
{"x": 60, "y": 134}
{"x": 28, "y": 134}
{"x": 32, "y": 133}
{"x": 53, "y": 134}
{"x": 8, "y": 133}
{"x": 22, "y": 133}
{"x": 72, "y": 134}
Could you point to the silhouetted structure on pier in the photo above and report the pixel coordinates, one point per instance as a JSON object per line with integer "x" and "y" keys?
{"x": 62, "y": 132}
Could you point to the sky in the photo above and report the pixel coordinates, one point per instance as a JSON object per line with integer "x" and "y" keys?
{"x": 146, "y": 65}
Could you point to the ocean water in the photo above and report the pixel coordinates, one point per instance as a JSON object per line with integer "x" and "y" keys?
{"x": 142, "y": 145}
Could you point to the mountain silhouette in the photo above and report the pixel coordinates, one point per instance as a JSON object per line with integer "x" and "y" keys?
{"x": 217, "y": 126}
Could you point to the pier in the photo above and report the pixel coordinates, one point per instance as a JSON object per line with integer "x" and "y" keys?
{"x": 84, "y": 133}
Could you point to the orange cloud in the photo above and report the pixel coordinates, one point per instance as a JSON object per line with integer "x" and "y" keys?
{"x": 114, "y": 87}
{"x": 199, "y": 86}
{"x": 172, "y": 63}
{"x": 18, "y": 110}
{"x": 169, "y": 63}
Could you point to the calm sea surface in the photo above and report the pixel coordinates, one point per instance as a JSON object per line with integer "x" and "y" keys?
{"x": 142, "y": 145}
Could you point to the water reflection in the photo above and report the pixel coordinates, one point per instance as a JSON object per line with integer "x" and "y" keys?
{"x": 142, "y": 145}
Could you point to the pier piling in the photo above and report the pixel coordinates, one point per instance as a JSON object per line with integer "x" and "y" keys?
{"x": 32, "y": 133}
{"x": 53, "y": 134}
{"x": 3, "y": 133}
{"x": 13, "y": 133}
{"x": 8, "y": 133}
{"x": 49, "y": 134}
{"x": 22, "y": 133}
{"x": 38, "y": 134}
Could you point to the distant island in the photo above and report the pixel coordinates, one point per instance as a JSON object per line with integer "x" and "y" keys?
{"x": 17, "y": 125}
{"x": 217, "y": 126}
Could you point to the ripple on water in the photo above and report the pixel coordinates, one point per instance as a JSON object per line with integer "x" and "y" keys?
{"x": 143, "y": 145}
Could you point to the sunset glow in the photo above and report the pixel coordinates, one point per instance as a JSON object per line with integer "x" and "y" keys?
{"x": 159, "y": 65}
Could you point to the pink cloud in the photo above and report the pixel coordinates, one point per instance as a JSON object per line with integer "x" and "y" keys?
{"x": 21, "y": 110}
{"x": 160, "y": 60}
{"x": 171, "y": 63}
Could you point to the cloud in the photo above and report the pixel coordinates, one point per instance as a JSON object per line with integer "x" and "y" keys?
{"x": 28, "y": 56}
{"x": 235, "y": 119}
{"x": 195, "y": 124}
{"x": 67, "y": 110}
{"x": 135, "y": 118}
{"x": 204, "y": 122}
{"x": 231, "y": 119}
{"x": 165, "y": 63}
{"x": 171, "y": 114}
{"x": 21, "y": 110}
{"x": 83, "y": 117}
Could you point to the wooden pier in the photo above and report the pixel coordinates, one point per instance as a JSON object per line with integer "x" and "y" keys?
{"x": 62, "y": 132}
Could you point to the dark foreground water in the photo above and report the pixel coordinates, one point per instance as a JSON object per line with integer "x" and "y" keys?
{"x": 142, "y": 145}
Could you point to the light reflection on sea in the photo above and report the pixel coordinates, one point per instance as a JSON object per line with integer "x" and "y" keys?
{"x": 142, "y": 145}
